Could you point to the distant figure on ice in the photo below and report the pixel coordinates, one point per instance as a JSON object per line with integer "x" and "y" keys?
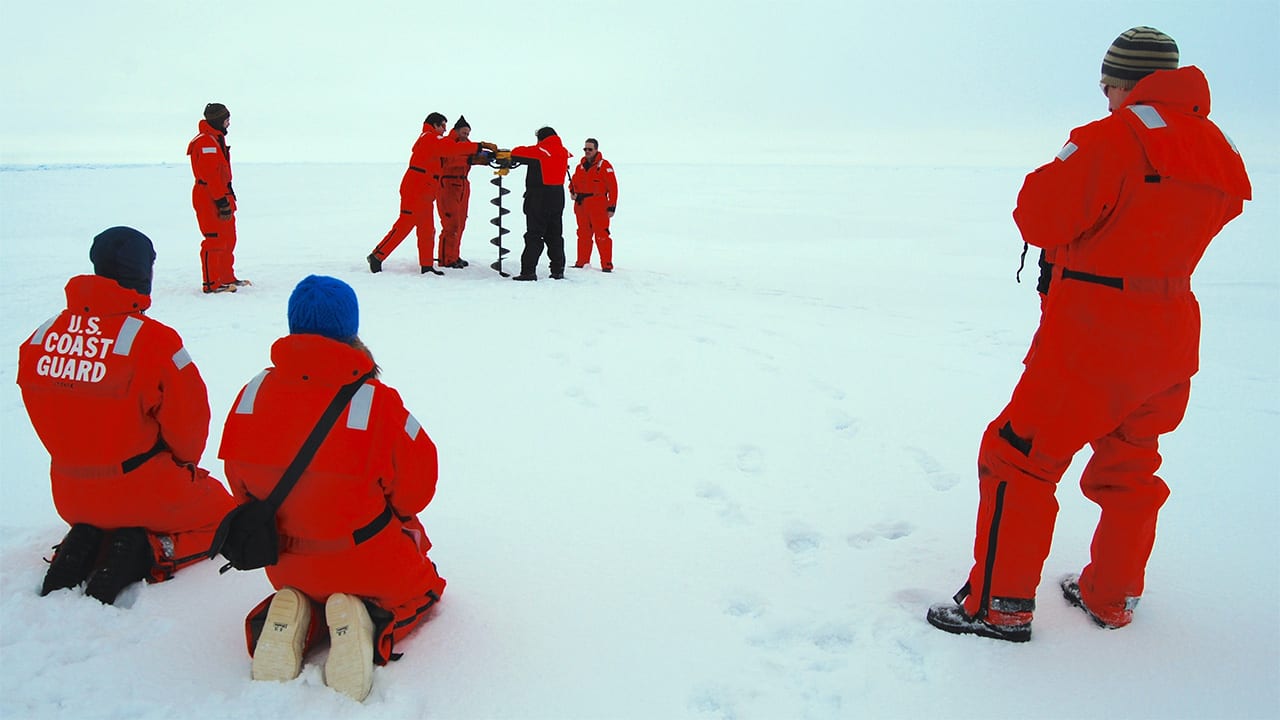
{"x": 1127, "y": 208}
{"x": 124, "y": 414}
{"x": 594, "y": 189}
{"x": 353, "y": 553}
{"x": 418, "y": 190}
{"x": 455, "y": 196}
{"x": 214, "y": 200}
{"x": 548, "y": 163}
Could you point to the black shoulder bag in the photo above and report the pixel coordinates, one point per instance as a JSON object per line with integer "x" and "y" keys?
{"x": 247, "y": 536}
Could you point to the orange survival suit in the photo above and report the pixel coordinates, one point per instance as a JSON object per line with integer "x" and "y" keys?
{"x": 124, "y": 414}
{"x": 595, "y": 191}
{"x": 454, "y": 200}
{"x": 211, "y": 165}
{"x": 418, "y": 189}
{"x": 1126, "y": 210}
{"x": 350, "y": 523}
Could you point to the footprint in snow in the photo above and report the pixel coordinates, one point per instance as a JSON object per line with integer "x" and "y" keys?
{"x": 804, "y": 545}
{"x": 880, "y": 531}
{"x": 937, "y": 476}
{"x": 749, "y": 459}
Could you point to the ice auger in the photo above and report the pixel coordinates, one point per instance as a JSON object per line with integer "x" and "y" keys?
{"x": 502, "y": 163}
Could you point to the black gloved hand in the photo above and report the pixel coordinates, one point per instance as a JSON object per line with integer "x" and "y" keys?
{"x": 224, "y": 208}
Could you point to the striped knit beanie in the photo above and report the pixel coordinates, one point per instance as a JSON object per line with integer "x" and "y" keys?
{"x": 1137, "y": 53}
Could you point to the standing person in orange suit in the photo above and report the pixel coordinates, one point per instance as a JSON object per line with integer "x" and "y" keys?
{"x": 214, "y": 200}
{"x": 418, "y": 189}
{"x": 353, "y": 554}
{"x": 1126, "y": 210}
{"x": 455, "y": 196}
{"x": 594, "y": 189}
{"x": 124, "y": 414}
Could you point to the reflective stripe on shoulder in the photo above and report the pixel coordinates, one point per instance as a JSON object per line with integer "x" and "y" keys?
{"x": 1149, "y": 116}
{"x": 249, "y": 394}
{"x": 361, "y": 404}
{"x": 1225, "y": 136}
{"x": 208, "y": 150}
{"x": 412, "y": 427}
{"x": 181, "y": 358}
{"x": 128, "y": 332}
{"x": 38, "y": 338}
{"x": 1067, "y": 151}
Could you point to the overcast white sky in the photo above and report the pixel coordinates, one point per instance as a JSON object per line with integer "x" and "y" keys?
{"x": 931, "y": 81}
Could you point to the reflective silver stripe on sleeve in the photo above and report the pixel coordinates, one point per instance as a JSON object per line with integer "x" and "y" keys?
{"x": 38, "y": 338}
{"x": 128, "y": 331}
{"x": 361, "y": 404}
{"x": 208, "y": 150}
{"x": 1067, "y": 151}
{"x": 181, "y": 358}
{"x": 412, "y": 427}
{"x": 1225, "y": 136}
{"x": 1149, "y": 116}
{"x": 249, "y": 394}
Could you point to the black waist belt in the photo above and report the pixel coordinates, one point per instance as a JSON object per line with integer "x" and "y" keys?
{"x": 136, "y": 461}
{"x": 417, "y": 169}
{"x": 373, "y": 528}
{"x": 309, "y": 546}
{"x": 1114, "y": 282}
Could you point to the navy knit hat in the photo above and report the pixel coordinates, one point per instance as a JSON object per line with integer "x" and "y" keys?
{"x": 124, "y": 255}
{"x": 323, "y": 305}
{"x": 462, "y": 122}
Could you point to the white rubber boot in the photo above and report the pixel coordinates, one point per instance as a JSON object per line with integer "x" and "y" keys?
{"x": 349, "y": 669}
{"x": 278, "y": 655}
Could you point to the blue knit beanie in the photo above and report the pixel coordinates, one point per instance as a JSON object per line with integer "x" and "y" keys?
{"x": 323, "y": 305}
{"x": 124, "y": 255}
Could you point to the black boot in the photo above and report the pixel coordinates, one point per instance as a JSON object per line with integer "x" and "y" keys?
{"x": 72, "y": 558}
{"x": 375, "y": 265}
{"x": 129, "y": 559}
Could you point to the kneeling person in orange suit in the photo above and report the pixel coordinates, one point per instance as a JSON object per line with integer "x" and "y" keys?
{"x": 124, "y": 414}
{"x": 352, "y": 553}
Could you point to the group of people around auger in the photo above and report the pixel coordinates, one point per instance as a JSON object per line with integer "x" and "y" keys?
{"x": 1123, "y": 215}
{"x": 437, "y": 180}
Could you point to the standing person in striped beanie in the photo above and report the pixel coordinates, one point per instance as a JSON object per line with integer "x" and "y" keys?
{"x": 1126, "y": 209}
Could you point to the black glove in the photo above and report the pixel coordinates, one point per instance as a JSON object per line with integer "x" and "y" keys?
{"x": 224, "y": 208}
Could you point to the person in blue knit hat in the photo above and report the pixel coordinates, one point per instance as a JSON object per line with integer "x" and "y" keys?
{"x": 353, "y": 554}
{"x": 322, "y": 305}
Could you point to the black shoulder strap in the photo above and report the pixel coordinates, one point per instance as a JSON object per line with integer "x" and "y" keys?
{"x": 312, "y": 444}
